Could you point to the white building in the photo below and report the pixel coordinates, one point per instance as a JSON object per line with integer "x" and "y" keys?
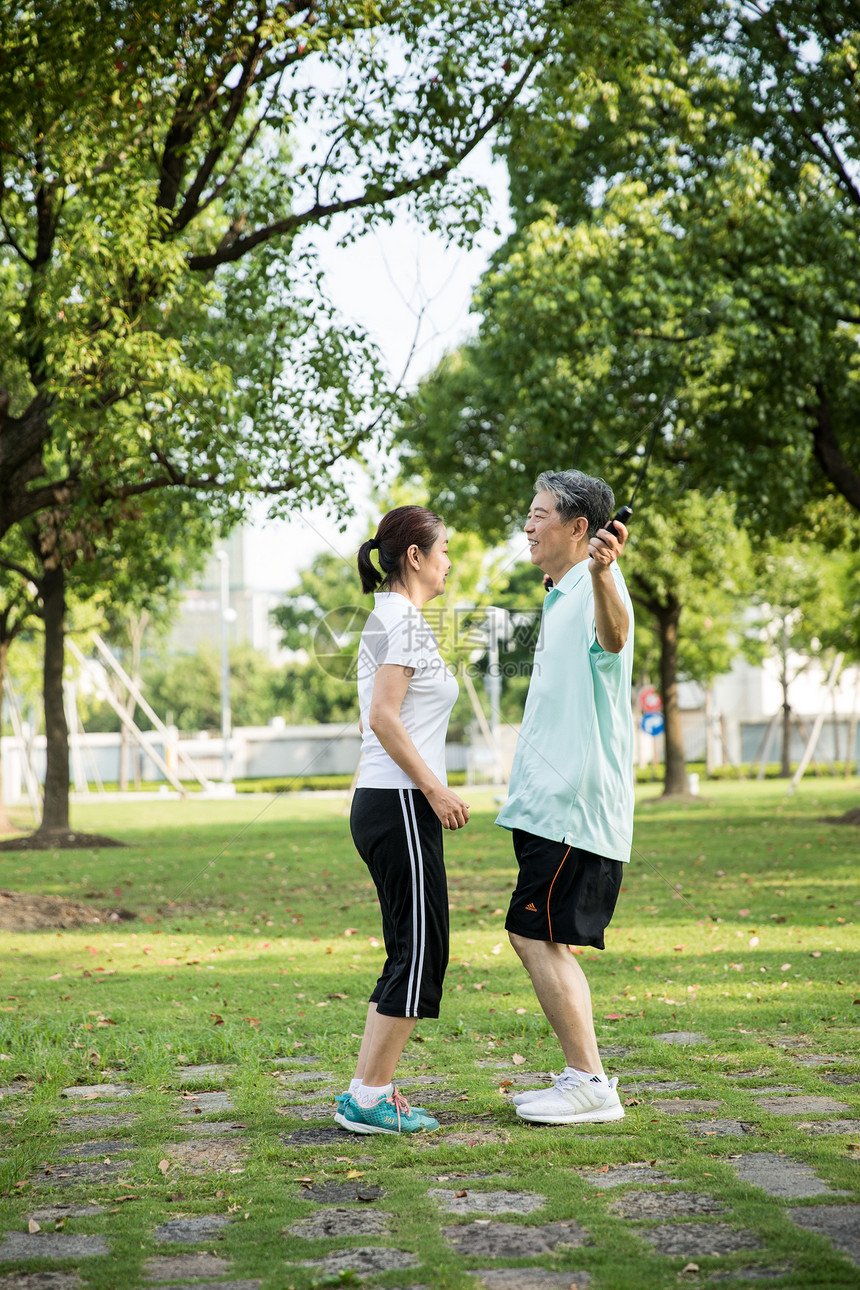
{"x": 199, "y": 618}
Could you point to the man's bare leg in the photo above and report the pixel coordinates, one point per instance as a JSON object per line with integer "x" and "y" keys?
{"x": 563, "y": 993}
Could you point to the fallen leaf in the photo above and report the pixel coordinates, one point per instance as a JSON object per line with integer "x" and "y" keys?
{"x": 460, "y": 1195}
{"x": 518, "y": 1059}
{"x": 355, "y": 1173}
{"x": 164, "y": 1165}
{"x": 690, "y": 1267}
{"x": 33, "y": 1227}
{"x": 216, "y": 1018}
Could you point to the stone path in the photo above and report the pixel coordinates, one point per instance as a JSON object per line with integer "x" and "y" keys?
{"x": 659, "y": 1208}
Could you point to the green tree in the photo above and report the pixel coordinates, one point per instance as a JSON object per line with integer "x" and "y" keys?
{"x": 187, "y": 688}
{"x": 689, "y": 568}
{"x": 718, "y": 151}
{"x": 805, "y": 613}
{"x": 18, "y": 614}
{"x": 160, "y": 173}
{"x": 674, "y": 274}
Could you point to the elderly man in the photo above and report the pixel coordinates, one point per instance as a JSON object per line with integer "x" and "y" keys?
{"x": 570, "y": 806}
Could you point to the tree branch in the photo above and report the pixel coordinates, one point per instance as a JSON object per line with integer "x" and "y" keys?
{"x": 14, "y": 567}
{"x": 372, "y": 196}
{"x": 828, "y": 452}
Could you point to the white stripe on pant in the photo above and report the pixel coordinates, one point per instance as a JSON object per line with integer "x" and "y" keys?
{"x": 418, "y": 917}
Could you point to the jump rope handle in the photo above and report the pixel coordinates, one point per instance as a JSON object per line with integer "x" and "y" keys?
{"x": 623, "y": 514}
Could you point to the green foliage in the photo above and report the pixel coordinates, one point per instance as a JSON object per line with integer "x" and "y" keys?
{"x": 163, "y": 323}
{"x": 691, "y": 554}
{"x": 672, "y": 263}
{"x": 711, "y": 159}
{"x": 307, "y": 693}
{"x": 186, "y": 690}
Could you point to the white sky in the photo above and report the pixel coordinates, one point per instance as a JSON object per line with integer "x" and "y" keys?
{"x": 408, "y": 287}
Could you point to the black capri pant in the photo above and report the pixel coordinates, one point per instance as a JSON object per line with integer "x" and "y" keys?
{"x": 399, "y": 838}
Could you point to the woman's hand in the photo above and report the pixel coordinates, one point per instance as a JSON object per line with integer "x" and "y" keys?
{"x": 450, "y": 809}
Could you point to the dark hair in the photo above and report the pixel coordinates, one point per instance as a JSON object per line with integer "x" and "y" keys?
{"x": 400, "y": 529}
{"x": 578, "y": 494}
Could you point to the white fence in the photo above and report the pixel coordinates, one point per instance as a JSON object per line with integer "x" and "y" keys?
{"x": 256, "y": 752}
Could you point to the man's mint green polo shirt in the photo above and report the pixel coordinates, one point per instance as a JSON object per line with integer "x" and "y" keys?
{"x": 572, "y": 777}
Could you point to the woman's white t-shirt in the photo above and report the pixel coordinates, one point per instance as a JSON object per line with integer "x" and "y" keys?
{"x": 396, "y": 632}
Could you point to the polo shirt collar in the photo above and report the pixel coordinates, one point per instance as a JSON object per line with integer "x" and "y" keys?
{"x": 574, "y": 575}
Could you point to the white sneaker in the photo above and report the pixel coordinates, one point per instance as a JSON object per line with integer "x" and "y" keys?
{"x": 520, "y": 1099}
{"x": 589, "y": 1102}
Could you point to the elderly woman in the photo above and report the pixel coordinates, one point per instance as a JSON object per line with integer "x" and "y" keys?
{"x": 401, "y": 805}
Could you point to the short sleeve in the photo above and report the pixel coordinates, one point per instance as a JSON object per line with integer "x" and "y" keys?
{"x": 407, "y": 641}
{"x": 604, "y": 660}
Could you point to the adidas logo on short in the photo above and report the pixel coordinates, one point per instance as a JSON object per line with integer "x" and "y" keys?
{"x": 533, "y": 908}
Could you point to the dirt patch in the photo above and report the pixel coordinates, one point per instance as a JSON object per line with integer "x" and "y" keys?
{"x": 39, "y": 841}
{"x": 850, "y": 817}
{"x": 23, "y": 911}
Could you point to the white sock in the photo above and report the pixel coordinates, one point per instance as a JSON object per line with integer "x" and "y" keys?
{"x": 368, "y": 1095}
{"x": 582, "y": 1077}
{"x": 354, "y": 1086}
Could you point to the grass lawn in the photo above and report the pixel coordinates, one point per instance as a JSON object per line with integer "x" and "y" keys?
{"x": 255, "y": 938}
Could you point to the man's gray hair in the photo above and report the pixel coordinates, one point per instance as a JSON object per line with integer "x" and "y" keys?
{"x": 578, "y": 494}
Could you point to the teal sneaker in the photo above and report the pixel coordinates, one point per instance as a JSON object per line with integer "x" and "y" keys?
{"x": 341, "y": 1102}
{"x": 389, "y": 1115}
{"x": 340, "y": 1105}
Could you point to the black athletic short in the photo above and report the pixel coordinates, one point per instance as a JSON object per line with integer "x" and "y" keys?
{"x": 563, "y": 894}
{"x": 399, "y": 838}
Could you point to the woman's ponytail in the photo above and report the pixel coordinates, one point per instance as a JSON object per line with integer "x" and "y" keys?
{"x": 369, "y": 574}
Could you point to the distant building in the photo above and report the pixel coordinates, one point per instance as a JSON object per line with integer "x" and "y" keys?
{"x": 199, "y": 618}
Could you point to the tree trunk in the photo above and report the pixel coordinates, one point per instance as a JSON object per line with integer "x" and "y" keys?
{"x": 785, "y": 758}
{"x": 675, "y": 781}
{"x": 6, "y": 825}
{"x": 55, "y": 817}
